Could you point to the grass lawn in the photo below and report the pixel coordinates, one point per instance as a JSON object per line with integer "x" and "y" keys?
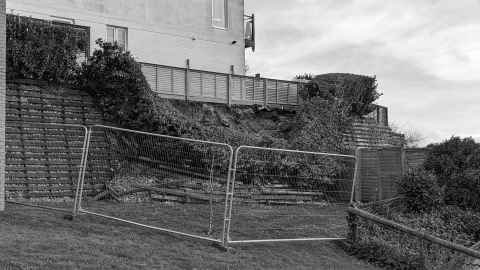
{"x": 36, "y": 239}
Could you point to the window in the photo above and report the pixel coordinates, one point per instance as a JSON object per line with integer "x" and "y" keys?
{"x": 220, "y": 14}
{"x": 119, "y": 35}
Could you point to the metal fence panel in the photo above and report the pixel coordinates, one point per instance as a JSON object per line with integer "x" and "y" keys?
{"x": 285, "y": 195}
{"x": 178, "y": 184}
{"x": 44, "y": 169}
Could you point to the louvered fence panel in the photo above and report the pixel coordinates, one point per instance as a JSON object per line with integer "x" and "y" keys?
{"x": 151, "y": 76}
{"x": 283, "y": 91}
{"x": 208, "y": 85}
{"x": 249, "y": 90}
{"x": 272, "y": 91}
{"x": 259, "y": 93}
{"x": 178, "y": 82}
{"x": 215, "y": 87}
{"x": 236, "y": 88}
{"x": 196, "y": 84}
{"x": 221, "y": 85}
{"x": 293, "y": 94}
{"x": 164, "y": 80}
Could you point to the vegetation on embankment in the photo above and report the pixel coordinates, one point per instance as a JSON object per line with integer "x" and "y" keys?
{"x": 441, "y": 199}
{"x": 44, "y": 51}
{"x": 116, "y": 82}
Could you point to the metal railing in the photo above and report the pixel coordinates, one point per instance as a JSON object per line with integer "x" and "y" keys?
{"x": 206, "y": 86}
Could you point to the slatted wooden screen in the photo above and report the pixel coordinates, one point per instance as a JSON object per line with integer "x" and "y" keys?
{"x": 172, "y": 82}
{"x": 380, "y": 171}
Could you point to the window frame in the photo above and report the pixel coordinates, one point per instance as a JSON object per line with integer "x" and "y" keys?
{"x": 226, "y": 13}
{"x": 115, "y": 34}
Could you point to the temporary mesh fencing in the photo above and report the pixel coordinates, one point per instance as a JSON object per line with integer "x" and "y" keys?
{"x": 287, "y": 195}
{"x": 44, "y": 165}
{"x": 160, "y": 182}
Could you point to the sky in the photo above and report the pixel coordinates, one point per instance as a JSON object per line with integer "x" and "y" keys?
{"x": 424, "y": 53}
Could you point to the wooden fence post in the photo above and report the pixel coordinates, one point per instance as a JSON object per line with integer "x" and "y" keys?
{"x": 265, "y": 93}
{"x": 229, "y": 86}
{"x": 276, "y": 92}
{"x": 187, "y": 79}
{"x": 352, "y": 220}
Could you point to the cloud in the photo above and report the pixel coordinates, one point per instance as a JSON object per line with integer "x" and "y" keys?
{"x": 426, "y": 54}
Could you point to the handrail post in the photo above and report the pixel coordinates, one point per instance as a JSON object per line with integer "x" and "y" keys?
{"x": 187, "y": 79}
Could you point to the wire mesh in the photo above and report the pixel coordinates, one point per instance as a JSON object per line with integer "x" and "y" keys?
{"x": 401, "y": 249}
{"x": 282, "y": 194}
{"x": 44, "y": 164}
{"x": 158, "y": 181}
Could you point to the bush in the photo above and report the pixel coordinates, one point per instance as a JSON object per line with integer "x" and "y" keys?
{"x": 117, "y": 84}
{"x": 41, "y": 50}
{"x": 464, "y": 190}
{"x": 356, "y": 93}
{"x": 452, "y": 157}
{"x": 456, "y": 164}
{"x": 420, "y": 190}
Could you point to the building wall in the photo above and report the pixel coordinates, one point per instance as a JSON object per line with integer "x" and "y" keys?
{"x": 2, "y": 104}
{"x": 163, "y": 32}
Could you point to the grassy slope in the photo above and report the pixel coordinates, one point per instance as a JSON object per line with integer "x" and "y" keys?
{"x": 33, "y": 239}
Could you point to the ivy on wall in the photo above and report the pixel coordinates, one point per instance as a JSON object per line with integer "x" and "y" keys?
{"x": 43, "y": 50}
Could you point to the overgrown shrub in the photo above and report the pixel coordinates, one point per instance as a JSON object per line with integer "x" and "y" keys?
{"x": 456, "y": 164}
{"x": 116, "y": 82}
{"x": 356, "y": 93}
{"x": 119, "y": 88}
{"x": 420, "y": 190}
{"x": 321, "y": 125}
{"x": 42, "y": 50}
{"x": 451, "y": 157}
{"x": 464, "y": 190}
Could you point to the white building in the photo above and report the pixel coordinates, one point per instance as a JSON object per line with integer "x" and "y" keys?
{"x": 208, "y": 32}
